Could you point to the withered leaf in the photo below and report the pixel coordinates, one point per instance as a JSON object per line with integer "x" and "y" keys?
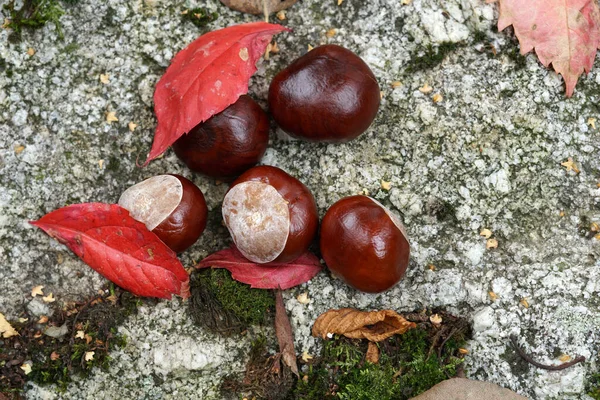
{"x": 283, "y": 330}
{"x": 374, "y": 326}
{"x": 257, "y": 7}
{"x": 6, "y": 328}
{"x": 372, "y": 353}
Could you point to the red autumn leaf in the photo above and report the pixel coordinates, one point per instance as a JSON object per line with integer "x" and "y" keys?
{"x": 118, "y": 247}
{"x": 565, "y": 33}
{"x": 205, "y": 78}
{"x": 264, "y": 276}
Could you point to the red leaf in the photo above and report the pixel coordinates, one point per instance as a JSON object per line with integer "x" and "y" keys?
{"x": 565, "y": 33}
{"x": 205, "y": 78}
{"x": 264, "y": 276}
{"x": 118, "y": 247}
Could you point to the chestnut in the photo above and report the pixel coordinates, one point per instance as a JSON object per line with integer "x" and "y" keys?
{"x": 327, "y": 95}
{"x": 228, "y": 143}
{"x": 171, "y": 206}
{"x": 364, "y": 244}
{"x": 271, "y": 216}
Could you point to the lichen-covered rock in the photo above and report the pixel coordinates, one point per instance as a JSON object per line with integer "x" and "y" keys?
{"x": 486, "y": 154}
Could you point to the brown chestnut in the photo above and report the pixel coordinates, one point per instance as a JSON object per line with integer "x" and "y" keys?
{"x": 364, "y": 244}
{"x": 272, "y": 216}
{"x": 228, "y": 143}
{"x": 327, "y": 95}
{"x": 171, "y": 206}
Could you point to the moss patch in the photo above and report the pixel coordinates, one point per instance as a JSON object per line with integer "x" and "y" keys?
{"x": 199, "y": 16}
{"x": 226, "y": 306}
{"x": 34, "y": 14}
{"x": 431, "y": 56}
{"x": 57, "y": 360}
{"x": 593, "y": 387}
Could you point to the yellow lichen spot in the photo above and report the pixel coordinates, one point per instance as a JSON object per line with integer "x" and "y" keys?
{"x": 493, "y": 296}
{"x": 426, "y": 89}
{"x": 244, "y": 54}
{"x": 592, "y": 122}
{"x": 386, "y": 185}
{"x": 524, "y": 302}
{"x": 100, "y": 164}
{"x": 594, "y": 227}
{"x": 111, "y": 117}
{"x": 396, "y": 84}
{"x": 132, "y": 126}
{"x": 486, "y": 233}
{"x": 565, "y": 358}
{"x": 104, "y": 78}
{"x": 331, "y": 33}
{"x": 437, "y": 98}
{"x": 303, "y": 298}
{"x": 30, "y": 51}
{"x": 280, "y": 15}
{"x": 570, "y": 165}
{"x": 491, "y": 244}
{"x": 561, "y": 213}
{"x": 19, "y": 149}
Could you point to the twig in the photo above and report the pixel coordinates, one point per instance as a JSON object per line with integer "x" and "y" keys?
{"x": 531, "y": 361}
{"x": 266, "y": 10}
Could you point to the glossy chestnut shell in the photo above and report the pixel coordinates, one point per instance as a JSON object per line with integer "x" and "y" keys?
{"x": 302, "y": 208}
{"x": 187, "y": 222}
{"x": 228, "y": 143}
{"x": 364, "y": 244}
{"x": 329, "y": 94}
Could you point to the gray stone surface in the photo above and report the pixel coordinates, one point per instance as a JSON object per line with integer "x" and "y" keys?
{"x": 466, "y": 389}
{"x": 487, "y": 156}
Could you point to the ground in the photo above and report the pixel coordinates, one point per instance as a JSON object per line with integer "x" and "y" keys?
{"x": 487, "y": 156}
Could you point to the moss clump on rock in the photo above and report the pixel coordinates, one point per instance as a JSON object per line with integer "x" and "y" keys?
{"x": 34, "y": 14}
{"x": 226, "y": 306}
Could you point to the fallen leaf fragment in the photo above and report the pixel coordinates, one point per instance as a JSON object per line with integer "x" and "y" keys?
{"x": 331, "y": 33}
{"x": 89, "y": 355}
{"x": 493, "y": 296}
{"x": 30, "y": 51}
{"x": 6, "y": 328}
{"x": 283, "y": 331}
{"x": 19, "y": 149}
{"x": 111, "y": 117}
{"x": 437, "y": 98}
{"x": 405, "y": 2}
{"x": 491, "y": 244}
{"x": 43, "y": 319}
{"x": 435, "y": 319}
{"x": 37, "y": 291}
{"x": 426, "y": 89}
{"x": 592, "y": 122}
{"x": 49, "y": 299}
{"x": 463, "y": 351}
{"x": 431, "y": 267}
{"x": 396, "y": 84}
{"x": 570, "y": 165}
{"x": 339, "y": 2}
{"x": 26, "y": 368}
{"x": 88, "y": 338}
{"x": 306, "y": 357}
{"x": 132, "y": 126}
{"x": 104, "y": 78}
{"x": 565, "y": 358}
{"x": 524, "y": 302}
{"x": 54, "y": 356}
{"x": 310, "y": 47}
{"x": 206, "y": 77}
{"x": 80, "y": 335}
{"x": 264, "y": 276}
{"x": 486, "y": 233}
{"x": 372, "y": 353}
{"x": 564, "y": 33}
{"x": 374, "y": 326}
{"x": 386, "y": 185}
{"x": 259, "y": 7}
{"x": 303, "y": 298}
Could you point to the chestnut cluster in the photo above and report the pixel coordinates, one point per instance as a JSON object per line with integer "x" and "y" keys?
{"x": 327, "y": 95}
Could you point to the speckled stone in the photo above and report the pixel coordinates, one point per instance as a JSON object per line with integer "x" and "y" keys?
{"x": 488, "y": 155}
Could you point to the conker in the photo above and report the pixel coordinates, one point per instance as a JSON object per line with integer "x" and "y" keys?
{"x": 327, "y": 95}
{"x": 171, "y": 206}
{"x": 364, "y": 244}
{"x": 228, "y": 143}
{"x": 272, "y": 216}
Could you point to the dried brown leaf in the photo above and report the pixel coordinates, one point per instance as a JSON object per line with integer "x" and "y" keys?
{"x": 6, "y": 328}
{"x": 372, "y": 325}
{"x": 283, "y": 330}
{"x": 257, "y": 7}
{"x": 373, "y": 353}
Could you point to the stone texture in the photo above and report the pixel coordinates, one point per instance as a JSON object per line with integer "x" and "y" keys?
{"x": 487, "y": 156}
{"x": 466, "y": 389}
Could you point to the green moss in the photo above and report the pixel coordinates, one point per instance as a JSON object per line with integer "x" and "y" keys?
{"x": 593, "y": 388}
{"x": 199, "y": 16}
{"x": 34, "y": 14}
{"x": 431, "y": 56}
{"x": 224, "y": 305}
{"x": 406, "y": 368}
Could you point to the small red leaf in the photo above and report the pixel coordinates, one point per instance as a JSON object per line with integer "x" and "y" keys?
{"x": 118, "y": 247}
{"x": 264, "y": 276}
{"x": 205, "y": 78}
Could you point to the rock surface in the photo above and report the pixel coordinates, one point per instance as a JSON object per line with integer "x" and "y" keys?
{"x": 466, "y": 389}
{"x": 487, "y": 156}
